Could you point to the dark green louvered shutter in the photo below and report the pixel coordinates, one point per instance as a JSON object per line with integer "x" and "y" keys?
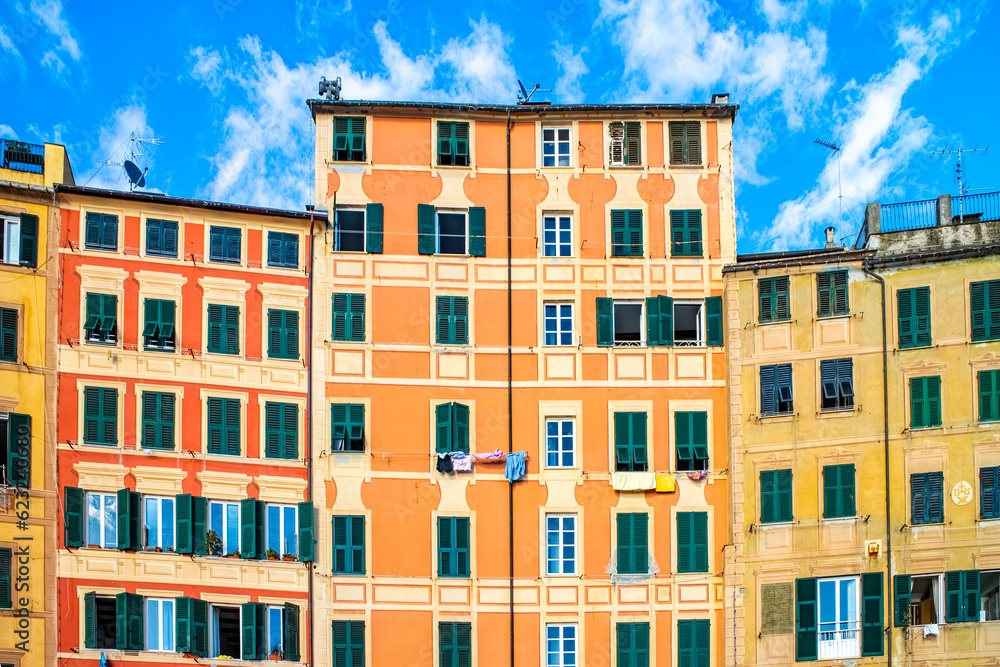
{"x": 633, "y": 153}
{"x": 953, "y": 596}
{"x": 633, "y": 644}
{"x": 290, "y": 631}
{"x": 8, "y": 335}
{"x": 984, "y": 298}
{"x": 443, "y": 419}
{"x": 989, "y": 500}
{"x": 73, "y": 516}
{"x": 989, "y": 395}
{"x": 252, "y": 626}
{"x": 348, "y": 644}
{"x": 691, "y": 437}
{"x": 90, "y": 620}
{"x": 685, "y": 142}
{"x": 633, "y": 543}
{"x": 618, "y": 234}
{"x": 872, "y": 614}
{"x": 191, "y": 626}
{"x": 713, "y": 320}
{"x": 831, "y": 293}
{"x": 29, "y": 240}
{"x": 630, "y": 440}
{"x": 199, "y": 525}
{"x": 283, "y": 334}
{"x": 6, "y": 577}
{"x": 128, "y": 622}
{"x": 838, "y": 491}
{"x": 182, "y": 512}
{"x": 426, "y": 241}
{"x": 925, "y": 402}
{"x": 349, "y": 545}
{"x": 775, "y": 496}
{"x": 18, "y": 450}
{"x": 773, "y": 299}
{"x": 307, "y": 545}
{"x": 129, "y": 520}
{"x": 460, "y": 428}
{"x": 685, "y": 233}
{"x": 970, "y": 591}
{"x": 251, "y": 528}
{"x": 806, "y": 637}
{"x": 693, "y": 642}
{"x": 605, "y": 332}
{"x": 901, "y": 595}
{"x": 659, "y": 320}
{"x": 962, "y": 596}
{"x": 692, "y": 542}
{"x": 373, "y": 228}
{"x": 913, "y": 311}
{"x": 477, "y": 231}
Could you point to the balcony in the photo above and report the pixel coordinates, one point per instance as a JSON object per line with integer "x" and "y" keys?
{"x": 22, "y": 156}
{"x": 838, "y": 643}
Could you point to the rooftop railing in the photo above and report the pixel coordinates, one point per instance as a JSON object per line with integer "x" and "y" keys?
{"x": 909, "y": 215}
{"x": 983, "y": 206}
{"x": 22, "y": 156}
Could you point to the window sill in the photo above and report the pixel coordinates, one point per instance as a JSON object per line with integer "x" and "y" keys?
{"x": 840, "y": 519}
{"x": 283, "y": 268}
{"x": 776, "y": 524}
{"x": 636, "y": 167}
{"x": 700, "y": 165}
{"x": 157, "y": 255}
{"x": 93, "y": 249}
{"x": 100, "y": 343}
{"x": 784, "y": 320}
{"x": 167, "y": 350}
{"x": 778, "y": 417}
{"x": 924, "y": 429}
{"x": 453, "y": 166}
{"x": 225, "y": 262}
{"x": 838, "y": 412}
{"x": 832, "y": 316}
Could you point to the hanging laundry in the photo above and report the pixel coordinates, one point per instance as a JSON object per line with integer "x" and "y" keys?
{"x": 633, "y": 481}
{"x": 665, "y": 483}
{"x": 444, "y": 463}
{"x": 697, "y": 474}
{"x": 515, "y": 466}
{"x": 496, "y": 456}
{"x": 461, "y": 462}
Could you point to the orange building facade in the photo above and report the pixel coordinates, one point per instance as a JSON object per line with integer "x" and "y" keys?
{"x": 186, "y": 526}
{"x": 537, "y": 279}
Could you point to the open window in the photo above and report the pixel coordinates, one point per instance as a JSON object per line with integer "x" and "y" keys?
{"x": 839, "y": 620}
{"x": 225, "y": 632}
{"x": 925, "y": 599}
{"x": 624, "y": 143}
{"x": 102, "y": 520}
{"x": 989, "y": 585}
{"x": 451, "y": 232}
{"x": 689, "y": 324}
{"x": 105, "y": 621}
{"x": 349, "y": 230}
{"x": 282, "y": 529}
{"x": 158, "y": 522}
{"x": 224, "y": 520}
{"x": 627, "y": 324}
{"x": 837, "y": 379}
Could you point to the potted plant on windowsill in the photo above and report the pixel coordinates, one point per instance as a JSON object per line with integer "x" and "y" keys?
{"x": 288, "y": 557}
{"x": 272, "y": 554}
{"x": 276, "y": 653}
{"x": 235, "y": 554}
{"x": 213, "y": 544}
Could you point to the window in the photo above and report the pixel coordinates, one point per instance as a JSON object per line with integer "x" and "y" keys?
{"x": 558, "y": 324}
{"x": 192, "y": 626}
{"x": 348, "y": 644}
{"x": 989, "y": 395}
{"x": 159, "y": 624}
{"x": 619, "y": 323}
{"x": 281, "y": 637}
{"x": 253, "y": 617}
{"x": 626, "y": 233}
{"x": 689, "y": 325}
{"x": 348, "y": 427}
{"x": 927, "y": 498}
{"x": 225, "y": 244}
{"x": 101, "y": 325}
{"x": 691, "y": 436}
{"x": 158, "y": 522}
{"x": 444, "y": 232}
{"x": 101, "y": 232}
{"x": 282, "y": 334}
{"x": 555, "y": 147}
{"x": 918, "y": 599}
{"x": 838, "y": 618}
{"x": 630, "y": 441}
{"x": 624, "y": 143}
{"x": 8, "y": 335}
{"x": 990, "y": 596}
{"x": 358, "y": 230}
{"x": 836, "y": 377}
{"x": 633, "y": 543}
{"x": 451, "y": 428}
{"x": 453, "y": 144}
{"x": 633, "y": 644}
{"x": 224, "y": 426}
{"x": 775, "y": 389}
{"x": 157, "y": 420}
{"x": 914, "y": 310}
{"x": 19, "y": 239}
{"x": 100, "y": 416}
{"x": 102, "y": 520}
{"x": 560, "y": 644}
{"x": 281, "y": 431}
{"x": 683, "y": 323}
{"x": 831, "y": 293}
{"x": 158, "y": 329}
{"x": 349, "y": 138}
{"x": 7, "y": 567}
{"x": 452, "y": 320}
{"x": 962, "y": 597}
{"x": 925, "y": 402}
{"x": 772, "y": 294}
{"x": 224, "y": 519}
{"x": 225, "y": 632}
{"x": 223, "y": 329}
{"x": 283, "y": 250}
{"x": 838, "y": 491}
{"x": 560, "y": 544}
{"x": 685, "y": 233}
{"x": 349, "y": 317}
{"x": 685, "y": 142}
{"x": 349, "y": 545}
{"x": 560, "y": 451}
{"x": 100, "y": 621}
{"x": 989, "y": 487}
{"x": 693, "y": 642}
{"x": 834, "y": 622}
{"x": 775, "y": 495}
{"x": 984, "y": 299}
{"x": 15, "y": 449}
{"x": 161, "y": 238}
{"x": 453, "y": 546}
{"x": 451, "y": 233}
{"x": 273, "y": 643}
{"x": 692, "y": 542}
{"x": 557, "y": 236}
{"x": 455, "y": 644}
{"x": 281, "y": 529}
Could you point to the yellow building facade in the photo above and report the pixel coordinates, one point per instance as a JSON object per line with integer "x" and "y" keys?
{"x": 28, "y": 321}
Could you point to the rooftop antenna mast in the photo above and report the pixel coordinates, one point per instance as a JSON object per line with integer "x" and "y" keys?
{"x": 840, "y": 185}
{"x": 136, "y": 177}
{"x": 524, "y": 97}
{"x": 960, "y": 175}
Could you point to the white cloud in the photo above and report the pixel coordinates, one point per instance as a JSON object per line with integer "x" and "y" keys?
{"x": 483, "y": 71}
{"x": 50, "y": 13}
{"x": 568, "y": 89}
{"x": 111, "y": 143}
{"x": 778, "y": 13}
{"x": 54, "y": 62}
{"x": 206, "y": 67}
{"x": 8, "y": 44}
{"x": 7, "y": 132}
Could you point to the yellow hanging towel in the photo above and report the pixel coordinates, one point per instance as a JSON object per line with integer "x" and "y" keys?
{"x": 665, "y": 484}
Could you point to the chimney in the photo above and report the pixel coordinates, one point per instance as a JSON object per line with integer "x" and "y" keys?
{"x": 720, "y": 98}
{"x": 830, "y": 242}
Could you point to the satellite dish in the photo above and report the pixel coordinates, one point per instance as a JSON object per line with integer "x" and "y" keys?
{"x": 524, "y": 93}
{"x": 135, "y": 176}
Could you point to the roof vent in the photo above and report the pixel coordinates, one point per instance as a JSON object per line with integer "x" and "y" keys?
{"x": 830, "y": 242}
{"x": 720, "y": 98}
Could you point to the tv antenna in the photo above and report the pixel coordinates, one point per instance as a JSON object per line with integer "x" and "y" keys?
{"x": 330, "y": 89}
{"x": 960, "y": 175}
{"x": 136, "y": 176}
{"x": 840, "y": 185}
{"x": 524, "y": 97}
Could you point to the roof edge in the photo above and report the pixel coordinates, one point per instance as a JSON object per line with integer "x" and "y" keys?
{"x": 519, "y": 109}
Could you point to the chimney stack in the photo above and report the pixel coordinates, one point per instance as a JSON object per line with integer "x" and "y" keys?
{"x": 720, "y": 98}
{"x": 830, "y": 242}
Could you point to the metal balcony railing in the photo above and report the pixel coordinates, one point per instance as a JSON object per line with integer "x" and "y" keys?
{"x": 909, "y": 215}
{"x": 983, "y": 206}
{"x": 22, "y": 156}
{"x": 837, "y": 644}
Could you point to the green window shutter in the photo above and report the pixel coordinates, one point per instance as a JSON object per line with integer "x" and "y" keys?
{"x": 452, "y": 320}
{"x": 253, "y": 639}
{"x": 341, "y": 545}
{"x": 692, "y": 542}
{"x": 373, "y": 228}
{"x": 191, "y": 626}
{"x": 989, "y": 395}
{"x": 984, "y": 299}
{"x": 251, "y": 528}
{"x": 913, "y": 311}
{"x": 307, "y": 539}
{"x": 129, "y": 520}
{"x": 477, "y": 231}
{"x": 840, "y": 301}
{"x": 426, "y": 241}
{"x": 93, "y": 313}
{"x": 6, "y": 578}
{"x": 925, "y": 402}
{"x": 281, "y": 431}
{"x": 970, "y": 595}
{"x": 8, "y": 335}
{"x": 831, "y": 293}
{"x": 685, "y": 233}
{"x": 713, "y": 320}
{"x": 838, "y": 491}
{"x": 618, "y": 233}
{"x": 954, "y": 597}
{"x": 806, "y": 637}
{"x": 773, "y": 299}
{"x": 461, "y": 311}
{"x": 232, "y": 330}
{"x": 18, "y": 450}
{"x": 214, "y": 328}
{"x": 29, "y": 240}
{"x": 775, "y": 496}
{"x": 691, "y": 436}
{"x": 453, "y": 546}
{"x": 199, "y": 525}
{"x": 128, "y": 621}
{"x": 633, "y": 543}
{"x": 630, "y": 440}
{"x": 348, "y": 643}
{"x": 357, "y": 317}
{"x": 605, "y": 332}
{"x": 443, "y": 418}
{"x": 349, "y": 545}
{"x": 872, "y": 614}
{"x": 182, "y": 512}
{"x": 349, "y": 317}
{"x": 157, "y": 420}
{"x": 357, "y": 537}
{"x": 290, "y": 632}
{"x": 632, "y": 153}
{"x": 901, "y": 593}
{"x": 989, "y": 500}
{"x": 73, "y": 516}
{"x": 659, "y": 320}
{"x": 685, "y": 142}
{"x": 283, "y": 334}
{"x": 182, "y": 625}
{"x": 634, "y": 234}
{"x": 693, "y": 642}
{"x": 90, "y": 620}
{"x": 460, "y": 428}
{"x": 633, "y": 644}
{"x": 349, "y": 138}
{"x": 216, "y": 421}
{"x": 445, "y": 150}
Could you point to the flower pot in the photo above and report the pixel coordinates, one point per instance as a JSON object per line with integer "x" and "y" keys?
{"x": 289, "y": 558}
{"x": 275, "y": 657}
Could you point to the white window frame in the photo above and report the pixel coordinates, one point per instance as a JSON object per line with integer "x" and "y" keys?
{"x": 12, "y": 240}
{"x": 939, "y": 595}
{"x": 103, "y": 527}
{"x": 156, "y": 632}
{"x": 558, "y": 320}
{"x": 213, "y": 628}
{"x": 437, "y": 231}
{"x": 557, "y": 220}
{"x": 556, "y": 142}
{"x": 364, "y": 228}
{"x": 560, "y": 439}
{"x": 642, "y": 323}
{"x": 159, "y": 500}
{"x": 225, "y": 523}
{"x": 563, "y": 657}
{"x": 701, "y": 337}
{"x": 281, "y": 526}
{"x": 564, "y": 537}
{"x": 843, "y": 642}
{"x": 269, "y": 612}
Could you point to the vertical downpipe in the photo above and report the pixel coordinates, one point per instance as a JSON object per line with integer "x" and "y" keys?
{"x": 309, "y": 421}
{"x": 510, "y": 401}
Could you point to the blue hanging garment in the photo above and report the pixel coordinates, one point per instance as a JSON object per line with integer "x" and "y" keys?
{"x": 515, "y": 466}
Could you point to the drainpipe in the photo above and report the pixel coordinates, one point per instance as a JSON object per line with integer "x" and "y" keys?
{"x": 885, "y": 420}
{"x": 510, "y": 401}
{"x": 309, "y": 421}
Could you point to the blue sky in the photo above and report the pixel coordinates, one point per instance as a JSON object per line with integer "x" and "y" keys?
{"x": 222, "y": 84}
